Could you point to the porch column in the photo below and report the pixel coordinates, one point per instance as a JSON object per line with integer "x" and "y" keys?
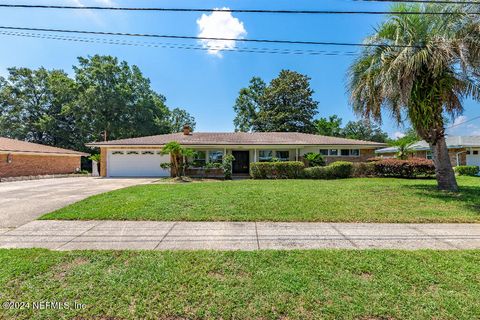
{"x": 296, "y": 154}
{"x": 254, "y": 155}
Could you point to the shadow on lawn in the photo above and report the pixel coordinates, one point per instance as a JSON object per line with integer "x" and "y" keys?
{"x": 468, "y": 196}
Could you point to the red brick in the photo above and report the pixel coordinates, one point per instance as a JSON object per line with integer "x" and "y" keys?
{"x": 33, "y": 165}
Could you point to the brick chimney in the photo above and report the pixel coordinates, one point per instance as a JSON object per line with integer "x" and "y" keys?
{"x": 187, "y": 129}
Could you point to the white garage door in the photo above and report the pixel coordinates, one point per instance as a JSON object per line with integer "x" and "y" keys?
{"x": 473, "y": 159}
{"x": 136, "y": 163}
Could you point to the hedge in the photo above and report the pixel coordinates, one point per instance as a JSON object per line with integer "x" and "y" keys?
{"x": 411, "y": 168}
{"x": 277, "y": 170}
{"x": 363, "y": 169}
{"x": 336, "y": 170}
{"x": 467, "y": 170}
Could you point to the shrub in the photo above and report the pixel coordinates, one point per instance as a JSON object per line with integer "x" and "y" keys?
{"x": 276, "y": 170}
{"x": 363, "y": 169}
{"x": 227, "y": 166}
{"x": 314, "y": 159}
{"x": 336, "y": 170}
{"x": 411, "y": 168}
{"x": 467, "y": 170}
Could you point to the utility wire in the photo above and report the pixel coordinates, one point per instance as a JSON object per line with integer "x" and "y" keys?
{"x": 182, "y": 46}
{"x": 459, "y": 124}
{"x": 323, "y": 12}
{"x": 150, "y": 35}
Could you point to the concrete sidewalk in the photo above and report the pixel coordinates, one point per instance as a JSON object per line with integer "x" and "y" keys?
{"x": 149, "y": 235}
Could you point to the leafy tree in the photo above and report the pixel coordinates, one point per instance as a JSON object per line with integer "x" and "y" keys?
{"x": 424, "y": 67}
{"x": 115, "y": 100}
{"x": 314, "y": 159}
{"x": 178, "y": 118}
{"x": 178, "y": 157}
{"x": 285, "y": 105}
{"x": 34, "y": 106}
{"x": 248, "y": 105}
{"x": 364, "y": 130}
{"x": 329, "y": 127}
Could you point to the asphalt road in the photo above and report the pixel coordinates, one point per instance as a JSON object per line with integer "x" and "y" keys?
{"x": 24, "y": 201}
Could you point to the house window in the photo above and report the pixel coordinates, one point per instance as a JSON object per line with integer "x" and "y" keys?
{"x": 345, "y": 152}
{"x": 475, "y": 152}
{"x": 117, "y": 152}
{"x": 333, "y": 152}
{"x": 132, "y": 152}
{"x": 282, "y": 155}
{"x": 148, "y": 152}
{"x": 215, "y": 156}
{"x": 265, "y": 155}
{"x": 200, "y": 159}
{"x": 355, "y": 153}
{"x": 429, "y": 155}
{"x": 324, "y": 152}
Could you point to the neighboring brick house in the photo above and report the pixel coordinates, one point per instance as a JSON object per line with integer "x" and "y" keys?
{"x": 463, "y": 150}
{"x": 21, "y": 158}
{"x": 141, "y": 156}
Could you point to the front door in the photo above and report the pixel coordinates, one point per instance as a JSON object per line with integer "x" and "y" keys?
{"x": 241, "y": 164}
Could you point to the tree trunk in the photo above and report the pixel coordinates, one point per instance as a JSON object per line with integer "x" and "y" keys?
{"x": 443, "y": 168}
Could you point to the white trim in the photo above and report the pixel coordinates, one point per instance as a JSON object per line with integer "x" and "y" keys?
{"x": 246, "y": 146}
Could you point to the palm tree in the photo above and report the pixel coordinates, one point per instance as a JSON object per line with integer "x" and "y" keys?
{"x": 420, "y": 66}
{"x": 404, "y": 147}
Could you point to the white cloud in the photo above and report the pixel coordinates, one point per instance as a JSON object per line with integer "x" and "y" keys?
{"x": 398, "y": 134}
{"x": 220, "y": 25}
{"x": 458, "y": 120}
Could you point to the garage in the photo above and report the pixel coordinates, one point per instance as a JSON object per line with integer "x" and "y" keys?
{"x": 473, "y": 158}
{"x": 136, "y": 163}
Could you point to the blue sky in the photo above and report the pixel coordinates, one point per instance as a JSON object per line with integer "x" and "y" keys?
{"x": 206, "y": 84}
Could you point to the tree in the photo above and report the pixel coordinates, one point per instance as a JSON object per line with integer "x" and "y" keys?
{"x": 364, "y": 130}
{"x": 285, "y": 105}
{"x": 404, "y": 146}
{"x": 34, "y": 106}
{"x": 422, "y": 66}
{"x": 329, "y": 127}
{"x": 178, "y": 157}
{"x": 115, "y": 101}
{"x": 248, "y": 105}
{"x": 178, "y": 118}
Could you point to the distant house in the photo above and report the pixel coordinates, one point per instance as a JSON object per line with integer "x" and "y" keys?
{"x": 141, "y": 156}
{"x": 463, "y": 150}
{"x": 21, "y": 158}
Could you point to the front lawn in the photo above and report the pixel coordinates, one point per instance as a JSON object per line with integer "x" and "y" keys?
{"x": 323, "y": 284}
{"x": 352, "y": 200}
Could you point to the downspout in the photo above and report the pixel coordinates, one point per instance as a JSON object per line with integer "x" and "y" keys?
{"x": 456, "y": 156}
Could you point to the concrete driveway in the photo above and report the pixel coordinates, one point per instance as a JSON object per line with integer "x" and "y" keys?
{"x": 24, "y": 201}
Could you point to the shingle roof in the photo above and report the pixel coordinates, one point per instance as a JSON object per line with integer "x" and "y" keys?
{"x": 453, "y": 142}
{"x": 12, "y": 145}
{"x": 239, "y": 138}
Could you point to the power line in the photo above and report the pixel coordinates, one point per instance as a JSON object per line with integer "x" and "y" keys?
{"x": 150, "y": 35}
{"x": 459, "y": 124}
{"x": 322, "y": 12}
{"x": 182, "y": 46}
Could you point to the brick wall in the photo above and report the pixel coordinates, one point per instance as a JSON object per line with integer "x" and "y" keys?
{"x": 34, "y": 165}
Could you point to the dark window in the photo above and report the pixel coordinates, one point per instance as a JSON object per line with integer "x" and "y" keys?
{"x": 200, "y": 159}
{"x": 117, "y": 152}
{"x": 215, "y": 156}
{"x": 147, "y": 152}
{"x": 355, "y": 152}
{"x": 475, "y": 152}
{"x": 282, "y": 155}
{"x": 324, "y": 152}
{"x": 132, "y": 152}
{"x": 265, "y": 155}
{"x": 333, "y": 152}
{"x": 345, "y": 152}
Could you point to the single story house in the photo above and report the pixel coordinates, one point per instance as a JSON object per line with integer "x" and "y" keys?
{"x": 21, "y": 158}
{"x": 463, "y": 150}
{"x": 141, "y": 157}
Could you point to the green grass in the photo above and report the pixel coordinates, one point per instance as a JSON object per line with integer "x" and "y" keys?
{"x": 244, "y": 285}
{"x": 350, "y": 200}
